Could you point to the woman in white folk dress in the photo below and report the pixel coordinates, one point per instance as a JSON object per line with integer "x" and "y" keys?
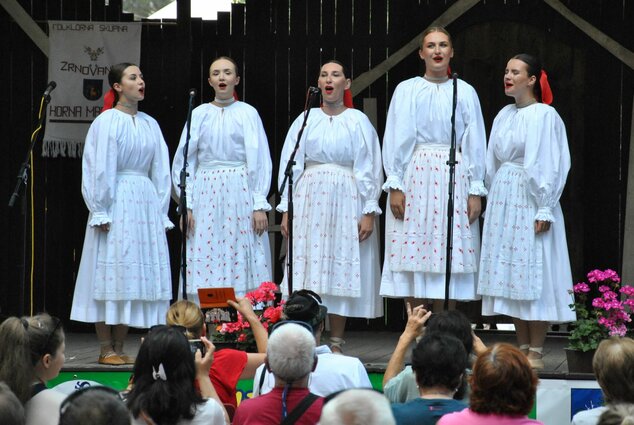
{"x": 229, "y": 167}
{"x": 525, "y": 269}
{"x": 124, "y": 277}
{"x": 415, "y": 154}
{"x": 338, "y": 181}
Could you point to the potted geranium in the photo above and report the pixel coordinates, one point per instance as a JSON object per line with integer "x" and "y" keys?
{"x": 267, "y": 304}
{"x": 606, "y": 315}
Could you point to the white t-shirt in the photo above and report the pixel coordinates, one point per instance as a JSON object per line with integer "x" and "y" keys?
{"x": 333, "y": 373}
{"x": 588, "y": 417}
{"x": 43, "y": 408}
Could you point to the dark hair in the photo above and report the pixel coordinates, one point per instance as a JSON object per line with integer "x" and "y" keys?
{"x": 613, "y": 366}
{"x": 454, "y": 323}
{"x": 11, "y": 410}
{"x": 439, "y": 359}
{"x": 305, "y": 306}
{"x": 24, "y": 342}
{"x": 502, "y": 382}
{"x": 227, "y": 58}
{"x": 533, "y": 67}
{"x": 115, "y": 75}
{"x": 96, "y": 405}
{"x": 346, "y": 71}
{"x": 165, "y": 401}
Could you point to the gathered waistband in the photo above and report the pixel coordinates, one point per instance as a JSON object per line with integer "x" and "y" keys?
{"x": 512, "y": 164}
{"x": 221, "y": 165}
{"x": 132, "y": 173}
{"x": 330, "y": 165}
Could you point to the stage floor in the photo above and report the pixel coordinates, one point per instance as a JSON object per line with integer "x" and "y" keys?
{"x": 373, "y": 348}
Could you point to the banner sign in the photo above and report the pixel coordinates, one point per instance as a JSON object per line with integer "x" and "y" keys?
{"x": 80, "y": 57}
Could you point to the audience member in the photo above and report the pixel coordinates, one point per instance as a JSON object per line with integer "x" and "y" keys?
{"x": 334, "y": 372}
{"x": 228, "y": 365}
{"x": 613, "y": 366}
{"x": 439, "y": 362}
{"x": 11, "y": 410}
{"x": 31, "y": 354}
{"x": 96, "y": 405}
{"x": 164, "y": 373}
{"x": 618, "y": 414}
{"x": 502, "y": 390}
{"x": 290, "y": 357}
{"x": 399, "y": 383}
{"x": 357, "y": 407}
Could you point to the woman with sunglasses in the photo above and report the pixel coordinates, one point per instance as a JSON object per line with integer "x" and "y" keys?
{"x": 31, "y": 354}
{"x": 229, "y": 365}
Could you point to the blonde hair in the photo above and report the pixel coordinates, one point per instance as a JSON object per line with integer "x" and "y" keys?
{"x": 612, "y": 365}
{"x": 188, "y": 315}
{"x": 435, "y": 29}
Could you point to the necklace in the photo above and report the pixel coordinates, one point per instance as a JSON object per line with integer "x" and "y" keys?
{"x": 224, "y": 102}
{"x": 525, "y": 104}
{"x": 436, "y": 79}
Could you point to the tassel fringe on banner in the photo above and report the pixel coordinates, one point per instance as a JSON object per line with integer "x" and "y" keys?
{"x": 64, "y": 148}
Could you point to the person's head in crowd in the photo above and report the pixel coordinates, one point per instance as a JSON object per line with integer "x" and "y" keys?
{"x": 613, "y": 366}
{"x": 32, "y": 350}
{"x": 452, "y": 322}
{"x": 502, "y": 382}
{"x": 164, "y": 374}
{"x": 305, "y": 306}
{"x": 439, "y": 362}
{"x": 357, "y": 407}
{"x": 618, "y": 414}
{"x": 11, "y": 410}
{"x": 126, "y": 83}
{"x": 290, "y": 355}
{"x": 188, "y": 315}
{"x": 97, "y": 405}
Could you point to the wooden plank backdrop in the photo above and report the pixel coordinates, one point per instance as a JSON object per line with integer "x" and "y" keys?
{"x": 279, "y": 46}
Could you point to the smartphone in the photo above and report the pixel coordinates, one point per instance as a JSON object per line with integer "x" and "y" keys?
{"x": 196, "y": 344}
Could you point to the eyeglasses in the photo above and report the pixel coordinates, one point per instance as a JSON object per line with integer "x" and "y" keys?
{"x": 296, "y": 322}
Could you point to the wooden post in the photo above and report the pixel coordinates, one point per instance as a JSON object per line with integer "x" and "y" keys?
{"x": 627, "y": 274}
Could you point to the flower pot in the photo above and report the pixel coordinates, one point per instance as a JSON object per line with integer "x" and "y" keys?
{"x": 579, "y": 361}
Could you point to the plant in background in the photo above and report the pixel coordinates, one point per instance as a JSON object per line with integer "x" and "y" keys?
{"x": 607, "y": 315}
{"x": 267, "y": 304}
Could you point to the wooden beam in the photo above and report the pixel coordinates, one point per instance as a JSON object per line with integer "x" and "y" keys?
{"x": 364, "y": 80}
{"x": 611, "y": 45}
{"x": 27, "y": 24}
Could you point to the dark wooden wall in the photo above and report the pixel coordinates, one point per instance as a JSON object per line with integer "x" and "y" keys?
{"x": 280, "y": 45}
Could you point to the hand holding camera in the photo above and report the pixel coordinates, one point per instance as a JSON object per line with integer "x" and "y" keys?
{"x": 204, "y": 361}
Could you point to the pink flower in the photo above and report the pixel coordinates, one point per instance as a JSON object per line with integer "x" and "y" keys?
{"x": 581, "y": 287}
{"x": 604, "y": 288}
{"x": 242, "y": 338}
{"x": 627, "y": 290}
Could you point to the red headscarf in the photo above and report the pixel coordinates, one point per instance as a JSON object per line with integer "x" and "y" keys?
{"x": 547, "y": 93}
{"x": 347, "y": 99}
{"x": 108, "y": 100}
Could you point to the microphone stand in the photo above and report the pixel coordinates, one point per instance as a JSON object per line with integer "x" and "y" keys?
{"x": 22, "y": 181}
{"x": 288, "y": 175}
{"x": 182, "y": 204}
{"x": 450, "y": 200}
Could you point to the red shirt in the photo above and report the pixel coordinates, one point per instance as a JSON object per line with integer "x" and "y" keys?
{"x": 267, "y": 409}
{"x": 225, "y": 372}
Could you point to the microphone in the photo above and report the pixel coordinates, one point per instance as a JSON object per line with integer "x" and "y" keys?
{"x": 51, "y": 86}
{"x": 313, "y": 90}
{"x": 192, "y": 92}
{"x": 454, "y": 76}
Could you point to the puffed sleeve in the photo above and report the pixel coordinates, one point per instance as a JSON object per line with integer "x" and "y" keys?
{"x": 367, "y": 166}
{"x": 473, "y": 140}
{"x": 287, "y": 150}
{"x": 160, "y": 174}
{"x": 99, "y": 168}
{"x": 546, "y": 160}
{"x": 492, "y": 163}
{"x": 192, "y": 156}
{"x": 399, "y": 139}
{"x": 259, "y": 166}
